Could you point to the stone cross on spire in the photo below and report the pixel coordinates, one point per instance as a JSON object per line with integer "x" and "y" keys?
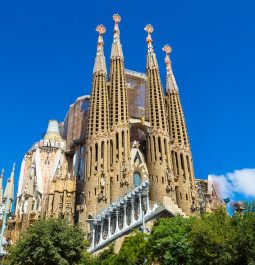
{"x": 151, "y": 56}
{"x": 100, "y": 66}
{"x": 116, "y": 46}
{"x": 171, "y": 84}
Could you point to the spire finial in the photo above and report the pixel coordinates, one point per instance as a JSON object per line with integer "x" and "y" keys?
{"x": 101, "y": 31}
{"x": 149, "y": 29}
{"x": 116, "y": 51}
{"x": 100, "y": 60}
{"x": 171, "y": 84}
{"x": 167, "y": 49}
{"x": 116, "y": 18}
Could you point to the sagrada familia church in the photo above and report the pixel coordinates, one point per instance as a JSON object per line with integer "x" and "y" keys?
{"x": 120, "y": 159}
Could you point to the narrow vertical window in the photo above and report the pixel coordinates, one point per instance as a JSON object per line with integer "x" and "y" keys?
{"x": 96, "y": 147}
{"x": 160, "y": 149}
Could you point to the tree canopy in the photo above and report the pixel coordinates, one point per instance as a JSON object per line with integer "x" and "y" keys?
{"x": 210, "y": 239}
{"x": 50, "y": 241}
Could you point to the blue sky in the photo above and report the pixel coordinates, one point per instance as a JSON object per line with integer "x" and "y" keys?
{"x": 47, "y": 51}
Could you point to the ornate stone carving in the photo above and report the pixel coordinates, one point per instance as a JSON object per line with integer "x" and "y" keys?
{"x": 170, "y": 180}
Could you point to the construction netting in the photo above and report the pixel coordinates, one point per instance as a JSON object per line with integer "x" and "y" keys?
{"x": 136, "y": 91}
{"x": 75, "y": 124}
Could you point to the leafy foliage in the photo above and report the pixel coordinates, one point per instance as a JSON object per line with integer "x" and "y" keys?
{"x": 133, "y": 251}
{"x": 209, "y": 239}
{"x": 244, "y": 240}
{"x": 50, "y": 241}
{"x": 212, "y": 239}
{"x": 169, "y": 242}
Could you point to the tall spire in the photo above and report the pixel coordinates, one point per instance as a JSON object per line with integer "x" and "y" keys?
{"x": 97, "y": 144}
{"x": 156, "y": 105}
{"x": 159, "y": 163}
{"x": 100, "y": 66}
{"x": 1, "y": 186}
{"x": 9, "y": 190}
{"x": 171, "y": 85}
{"x": 151, "y": 56}
{"x": 180, "y": 148}
{"x": 116, "y": 46}
{"x": 119, "y": 119}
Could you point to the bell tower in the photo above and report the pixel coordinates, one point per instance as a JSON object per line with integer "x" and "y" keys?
{"x": 158, "y": 142}
{"x": 119, "y": 120}
{"x": 180, "y": 147}
{"x": 97, "y": 142}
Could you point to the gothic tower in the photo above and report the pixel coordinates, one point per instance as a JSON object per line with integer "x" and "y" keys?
{"x": 9, "y": 190}
{"x": 158, "y": 142}
{"x": 119, "y": 122}
{"x": 98, "y": 137}
{"x": 180, "y": 146}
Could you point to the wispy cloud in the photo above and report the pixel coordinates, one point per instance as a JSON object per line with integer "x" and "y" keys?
{"x": 238, "y": 182}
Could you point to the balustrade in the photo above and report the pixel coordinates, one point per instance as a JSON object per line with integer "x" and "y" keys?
{"x": 125, "y": 214}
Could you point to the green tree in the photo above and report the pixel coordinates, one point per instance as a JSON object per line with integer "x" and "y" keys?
{"x": 244, "y": 241}
{"x": 50, "y": 241}
{"x": 133, "y": 251}
{"x": 107, "y": 256}
{"x": 169, "y": 241}
{"x": 212, "y": 239}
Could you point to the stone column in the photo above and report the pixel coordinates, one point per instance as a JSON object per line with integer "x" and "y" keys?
{"x": 117, "y": 221}
{"x": 101, "y": 232}
{"x": 125, "y": 217}
{"x": 132, "y": 209}
{"x": 140, "y": 205}
{"x": 109, "y": 225}
{"x": 93, "y": 243}
{"x": 148, "y": 203}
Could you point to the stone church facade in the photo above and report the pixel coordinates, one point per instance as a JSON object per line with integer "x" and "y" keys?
{"x": 128, "y": 138}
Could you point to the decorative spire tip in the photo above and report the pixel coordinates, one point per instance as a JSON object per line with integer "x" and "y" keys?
{"x": 149, "y": 28}
{"x": 167, "y": 49}
{"x": 116, "y": 18}
{"x": 101, "y": 29}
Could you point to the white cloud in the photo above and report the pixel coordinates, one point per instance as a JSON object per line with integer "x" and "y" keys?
{"x": 238, "y": 182}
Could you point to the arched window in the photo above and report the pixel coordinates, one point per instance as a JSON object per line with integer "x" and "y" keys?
{"x": 137, "y": 180}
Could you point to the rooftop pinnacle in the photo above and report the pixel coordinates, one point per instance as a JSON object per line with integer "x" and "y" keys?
{"x": 171, "y": 84}
{"x": 9, "y": 190}
{"x": 151, "y": 56}
{"x": 2, "y": 173}
{"x": 116, "y": 46}
{"x": 100, "y": 66}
